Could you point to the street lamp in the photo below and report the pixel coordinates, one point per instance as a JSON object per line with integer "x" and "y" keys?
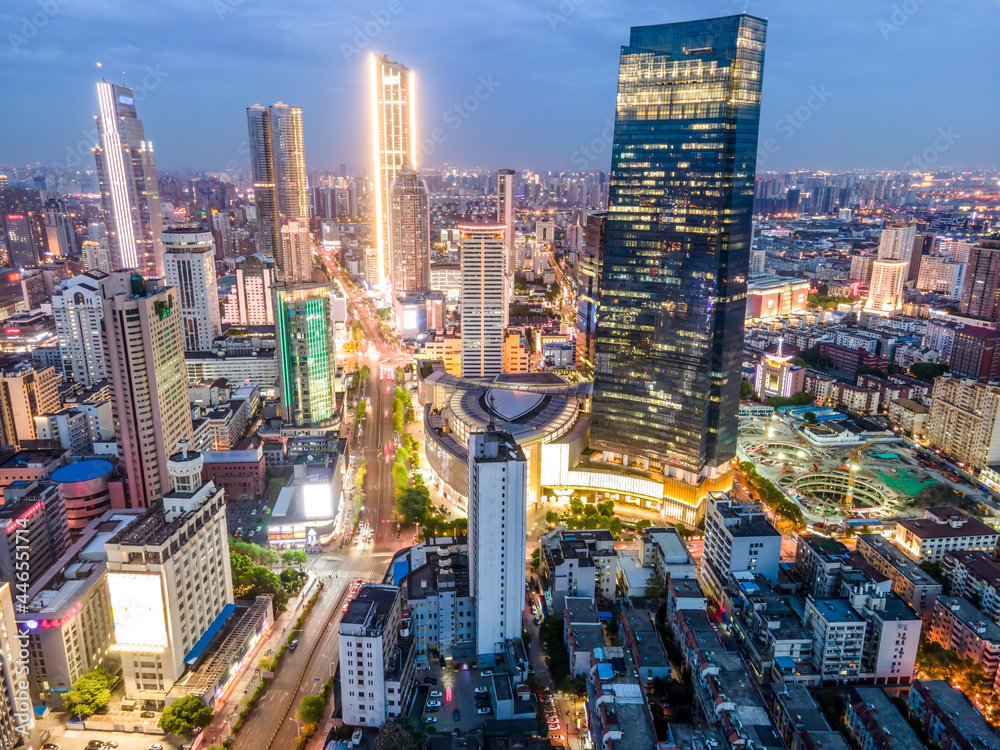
{"x": 297, "y": 725}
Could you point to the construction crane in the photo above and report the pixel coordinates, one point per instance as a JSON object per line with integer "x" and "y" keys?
{"x": 851, "y": 458}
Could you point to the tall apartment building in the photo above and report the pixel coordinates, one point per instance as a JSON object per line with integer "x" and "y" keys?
{"x": 942, "y": 276}
{"x": 255, "y": 282}
{"x": 738, "y": 538}
{"x": 949, "y": 718}
{"x": 278, "y": 170}
{"x": 169, "y": 580}
{"x": 975, "y": 573}
{"x": 913, "y": 584}
{"x": 981, "y": 293}
{"x": 296, "y": 251}
{"x": 376, "y": 658}
{"x": 964, "y": 420}
{"x": 189, "y": 261}
{"x": 25, "y": 393}
{"x": 545, "y": 233}
{"x": 394, "y": 143}
{"x": 588, "y": 284}
{"x": 144, "y": 349}
{"x": 975, "y": 353}
{"x": 409, "y": 232}
{"x": 308, "y": 352}
{"x": 497, "y": 536}
{"x": 78, "y": 309}
{"x": 885, "y": 291}
{"x": 126, "y": 172}
{"x": 33, "y": 521}
{"x": 484, "y": 299}
{"x": 667, "y": 362}
{"x": 506, "y": 179}
{"x": 961, "y": 626}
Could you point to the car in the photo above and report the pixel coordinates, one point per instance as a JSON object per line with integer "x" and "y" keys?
{"x": 293, "y": 644}
{"x": 146, "y": 715}
{"x": 431, "y": 720}
{"x": 487, "y": 673}
{"x": 111, "y": 743}
{"x": 155, "y": 746}
{"x": 457, "y": 715}
{"x": 50, "y": 746}
{"x": 441, "y": 660}
{"x": 436, "y": 694}
{"x": 434, "y": 704}
{"x": 430, "y": 681}
{"x": 95, "y": 743}
{"x": 346, "y": 606}
{"x": 482, "y": 690}
{"x": 482, "y": 704}
{"x": 432, "y": 710}
{"x": 484, "y": 710}
{"x": 253, "y": 512}
{"x": 552, "y": 721}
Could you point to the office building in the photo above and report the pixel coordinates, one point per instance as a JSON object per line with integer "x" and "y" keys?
{"x": 169, "y": 581}
{"x": 296, "y": 251}
{"x": 738, "y": 538}
{"x": 409, "y": 233}
{"x": 771, "y": 296}
{"x": 278, "y": 170}
{"x": 22, "y": 249}
{"x": 394, "y": 142}
{"x": 255, "y": 281}
{"x": 144, "y": 349}
{"x": 497, "y": 536}
{"x": 668, "y": 360}
{"x": 588, "y": 284}
{"x": 189, "y": 260}
{"x": 26, "y": 392}
{"x": 949, "y": 718}
{"x": 67, "y": 612}
{"x": 885, "y": 293}
{"x": 307, "y": 352}
{"x": 506, "y": 179}
{"x": 376, "y": 657}
{"x": 942, "y": 530}
{"x": 981, "y": 293}
{"x": 545, "y": 234}
{"x": 777, "y": 376}
{"x": 126, "y": 172}
{"x": 78, "y": 310}
{"x": 484, "y": 299}
{"x": 964, "y": 420}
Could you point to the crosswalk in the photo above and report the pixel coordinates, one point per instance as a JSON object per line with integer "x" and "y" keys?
{"x": 335, "y": 573}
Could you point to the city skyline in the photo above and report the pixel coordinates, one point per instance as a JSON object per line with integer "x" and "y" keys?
{"x": 812, "y": 113}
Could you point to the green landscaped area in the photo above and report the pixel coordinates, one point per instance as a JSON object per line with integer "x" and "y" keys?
{"x": 905, "y": 481}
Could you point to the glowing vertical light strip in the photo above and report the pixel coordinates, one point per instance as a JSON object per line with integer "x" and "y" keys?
{"x": 112, "y": 145}
{"x": 411, "y": 102}
{"x": 378, "y": 167}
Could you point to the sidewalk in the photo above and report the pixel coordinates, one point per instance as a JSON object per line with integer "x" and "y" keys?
{"x": 243, "y": 686}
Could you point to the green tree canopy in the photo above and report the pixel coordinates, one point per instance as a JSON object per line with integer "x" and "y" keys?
{"x": 413, "y": 503}
{"x": 927, "y": 371}
{"x": 91, "y": 692}
{"x": 656, "y": 588}
{"x": 293, "y": 557}
{"x": 645, "y": 523}
{"x": 575, "y": 506}
{"x": 551, "y": 517}
{"x": 615, "y": 525}
{"x": 398, "y": 734}
{"x": 257, "y": 554}
{"x": 185, "y": 715}
{"x": 746, "y": 390}
{"x": 400, "y": 475}
{"x": 311, "y": 709}
{"x": 590, "y": 510}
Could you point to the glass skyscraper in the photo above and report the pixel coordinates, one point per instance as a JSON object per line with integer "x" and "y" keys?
{"x": 677, "y": 248}
{"x": 303, "y": 314}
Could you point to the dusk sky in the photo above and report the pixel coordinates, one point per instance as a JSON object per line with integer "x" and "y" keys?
{"x": 874, "y": 83}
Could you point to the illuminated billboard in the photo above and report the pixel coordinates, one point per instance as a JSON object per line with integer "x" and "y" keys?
{"x": 137, "y": 611}
{"x": 317, "y": 500}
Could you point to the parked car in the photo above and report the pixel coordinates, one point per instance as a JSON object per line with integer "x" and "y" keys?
{"x": 145, "y": 715}
{"x": 433, "y": 704}
{"x": 156, "y": 746}
{"x": 431, "y": 719}
{"x": 436, "y": 694}
{"x": 484, "y": 710}
{"x": 487, "y": 673}
{"x": 432, "y": 710}
{"x": 50, "y": 746}
{"x": 430, "y": 681}
{"x": 111, "y": 743}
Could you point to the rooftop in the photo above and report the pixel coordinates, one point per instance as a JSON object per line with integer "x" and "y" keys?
{"x": 961, "y": 713}
{"x": 881, "y": 719}
{"x": 971, "y": 616}
{"x": 942, "y": 523}
{"x": 368, "y": 612}
{"x": 876, "y": 544}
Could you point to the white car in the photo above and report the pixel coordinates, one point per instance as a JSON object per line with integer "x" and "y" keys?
{"x": 485, "y": 710}
{"x": 487, "y": 673}
{"x": 433, "y": 704}
{"x": 431, "y": 719}
{"x": 436, "y": 694}
{"x": 483, "y": 690}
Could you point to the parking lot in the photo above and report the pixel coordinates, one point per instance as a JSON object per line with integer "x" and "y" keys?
{"x": 458, "y": 690}
{"x": 78, "y": 740}
{"x": 247, "y": 520}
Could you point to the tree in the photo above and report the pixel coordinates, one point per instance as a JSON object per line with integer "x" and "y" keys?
{"x": 361, "y": 410}
{"x": 290, "y": 578}
{"x": 185, "y": 715}
{"x": 746, "y": 390}
{"x": 536, "y": 559}
{"x": 927, "y": 371}
{"x": 311, "y": 709}
{"x": 257, "y": 554}
{"x": 656, "y": 588}
{"x": 398, "y": 734}
{"x": 615, "y": 526}
{"x": 400, "y": 475}
{"x": 293, "y": 557}
{"x": 589, "y": 510}
{"x": 645, "y": 523}
{"x": 551, "y": 517}
{"x": 810, "y": 417}
{"x": 575, "y": 506}
{"x": 607, "y": 508}
{"x": 91, "y": 692}
{"x": 603, "y": 522}
{"x": 413, "y": 503}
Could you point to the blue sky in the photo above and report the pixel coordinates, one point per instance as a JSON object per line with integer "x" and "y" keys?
{"x": 515, "y": 83}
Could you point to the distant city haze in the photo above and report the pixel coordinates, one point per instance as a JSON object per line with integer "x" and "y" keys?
{"x": 523, "y": 83}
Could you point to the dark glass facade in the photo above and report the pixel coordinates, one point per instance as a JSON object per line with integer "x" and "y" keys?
{"x": 677, "y": 250}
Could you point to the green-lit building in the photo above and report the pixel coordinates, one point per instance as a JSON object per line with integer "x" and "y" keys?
{"x": 307, "y": 349}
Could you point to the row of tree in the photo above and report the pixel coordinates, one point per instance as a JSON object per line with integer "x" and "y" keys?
{"x": 773, "y": 497}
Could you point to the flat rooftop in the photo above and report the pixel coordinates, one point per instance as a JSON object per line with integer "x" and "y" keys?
{"x": 368, "y": 612}
{"x": 965, "y": 717}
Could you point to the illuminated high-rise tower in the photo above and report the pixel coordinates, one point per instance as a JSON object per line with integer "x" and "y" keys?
{"x": 505, "y": 212}
{"x": 410, "y": 232}
{"x": 484, "y": 299}
{"x": 307, "y": 347}
{"x": 669, "y": 339}
{"x": 126, "y": 173}
{"x": 394, "y": 141}
{"x": 278, "y": 168}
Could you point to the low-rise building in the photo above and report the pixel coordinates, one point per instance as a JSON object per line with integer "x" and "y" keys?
{"x": 909, "y": 580}
{"x": 942, "y": 530}
{"x": 663, "y": 549}
{"x": 241, "y": 473}
{"x": 948, "y": 717}
{"x": 874, "y": 723}
{"x": 819, "y": 560}
{"x": 962, "y": 627}
{"x": 909, "y": 416}
{"x": 643, "y": 641}
{"x": 738, "y": 538}
{"x": 579, "y": 563}
{"x": 976, "y": 574}
{"x": 582, "y": 632}
{"x": 617, "y": 713}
